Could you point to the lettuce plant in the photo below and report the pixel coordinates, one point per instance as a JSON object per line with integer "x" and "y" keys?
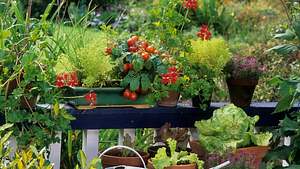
{"x": 162, "y": 160}
{"x": 229, "y": 129}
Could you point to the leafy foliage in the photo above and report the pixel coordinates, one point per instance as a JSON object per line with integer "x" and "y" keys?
{"x": 229, "y": 129}
{"x": 28, "y": 55}
{"x": 213, "y": 53}
{"x": 161, "y": 160}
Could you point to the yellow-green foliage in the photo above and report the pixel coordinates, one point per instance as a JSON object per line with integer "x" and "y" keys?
{"x": 213, "y": 53}
{"x": 84, "y": 52}
{"x": 96, "y": 65}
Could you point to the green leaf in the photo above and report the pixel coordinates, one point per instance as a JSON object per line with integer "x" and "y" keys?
{"x": 293, "y": 167}
{"x": 284, "y": 104}
{"x": 138, "y": 64}
{"x": 135, "y": 83}
{"x": 288, "y": 125}
{"x": 127, "y": 79}
{"x": 145, "y": 82}
{"x": 81, "y": 158}
{"x": 281, "y": 153}
{"x": 67, "y": 115}
{"x": 287, "y": 35}
{"x": 297, "y": 28}
{"x": 284, "y": 49}
{"x": 5, "y": 126}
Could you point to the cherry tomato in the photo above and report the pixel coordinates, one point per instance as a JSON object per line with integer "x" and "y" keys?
{"x": 127, "y": 67}
{"x": 133, "y": 49}
{"x": 108, "y": 51}
{"x": 133, "y": 96}
{"x": 126, "y": 93}
{"x": 150, "y": 49}
{"x": 130, "y": 66}
{"x": 131, "y": 42}
{"x": 135, "y": 38}
{"x": 156, "y": 52}
{"x": 144, "y": 45}
{"x": 145, "y": 56}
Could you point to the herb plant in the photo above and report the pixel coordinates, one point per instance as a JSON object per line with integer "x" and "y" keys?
{"x": 161, "y": 160}
{"x": 247, "y": 67}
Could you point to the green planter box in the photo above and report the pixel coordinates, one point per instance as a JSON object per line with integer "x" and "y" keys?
{"x": 105, "y": 97}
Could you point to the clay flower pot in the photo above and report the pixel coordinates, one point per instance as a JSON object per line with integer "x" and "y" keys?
{"x": 241, "y": 91}
{"x": 251, "y": 156}
{"x": 114, "y": 158}
{"x": 170, "y": 101}
{"x": 185, "y": 166}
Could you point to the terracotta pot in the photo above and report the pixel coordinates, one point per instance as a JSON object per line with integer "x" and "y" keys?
{"x": 253, "y": 155}
{"x": 113, "y": 158}
{"x": 170, "y": 101}
{"x": 241, "y": 91}
{"x": 186, "y": 166}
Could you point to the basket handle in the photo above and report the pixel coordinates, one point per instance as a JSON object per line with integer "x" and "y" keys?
{"x": 124, "y": 147}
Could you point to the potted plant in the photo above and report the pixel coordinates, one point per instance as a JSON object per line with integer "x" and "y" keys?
{"x": 121, "y": 71}
{"x": 242, "y": 77}
{"x": 181, "y": 159}
{"x": 230, "y": 130}
{"x": 118, "y": 157}
{"x": 164, "y": 133}
{"x": 208, "y": 56}
{"x": 166, "y": 88}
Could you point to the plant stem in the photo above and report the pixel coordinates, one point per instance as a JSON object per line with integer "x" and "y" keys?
{"x": 286, "y": 10}
{"x": 185, "y": 17}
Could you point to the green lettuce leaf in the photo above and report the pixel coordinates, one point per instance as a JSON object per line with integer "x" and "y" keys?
{"x": 161, "y": 160}
{"x": 261, "y": 139}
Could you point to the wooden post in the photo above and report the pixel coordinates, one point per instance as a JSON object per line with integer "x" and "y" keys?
{"x": 55, "y": 152}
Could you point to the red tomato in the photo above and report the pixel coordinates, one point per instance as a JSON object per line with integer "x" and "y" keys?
{"x": 126, "y": 93}
{"x": 108, "y": 51}
{"x": 156, "y": 52}
{"x": 145, "y": 56}
{"x": 133, "y": 96}
{"x": 150, "y": 49}
{"x": 133, "y": 49}
{"x": 127, "y": 67}
{"x": 144, "y": 45}
{"x": 130, "y": 66}
{"x": 135, "y": 38}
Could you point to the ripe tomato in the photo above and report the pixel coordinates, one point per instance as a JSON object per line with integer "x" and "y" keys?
{"x": 150, "y": 49}
{"x": 133, "y": 49}
{"x": 139, "y": 90}
{"x": 156, "y": 52}
{"x": 135, "y": 38}
{"x": 130, "y": 66}
{"x": 133, "y": 96}
{"x": 145, "y": 56}
{"x": 127, "y": 67}
{"x": 126, "y": 93}
{"x": 108, "y": 51}
{"x": 144, "y": 45}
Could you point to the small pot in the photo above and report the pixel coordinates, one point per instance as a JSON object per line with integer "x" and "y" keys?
{"x": 170, "y": 101}
{"x": 184, "y": 166}
{"x": 113, "y": 158}
{"x": 255, "y": 154}
{"x": 241, "y": 91}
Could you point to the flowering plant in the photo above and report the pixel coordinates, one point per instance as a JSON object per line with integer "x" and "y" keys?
{"x": 240, "y": 67}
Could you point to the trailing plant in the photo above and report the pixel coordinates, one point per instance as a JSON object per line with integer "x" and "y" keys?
{"x": 244, "y": 67}
{"x": 229, "y": 129}
{"x": 161, "y": 160}
{"x": 28, "y": 54}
